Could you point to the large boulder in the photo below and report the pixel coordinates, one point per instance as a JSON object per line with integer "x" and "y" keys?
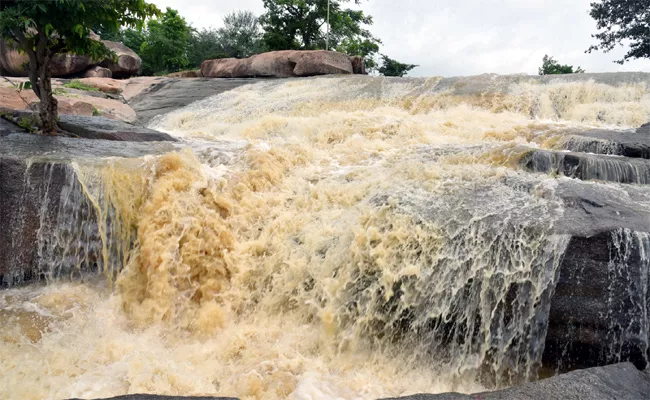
{"x": 13, "y": 63}
{"x": 98, "y": 72}
{"x": 279, "y": 64}
{"x": 128, "y": 63}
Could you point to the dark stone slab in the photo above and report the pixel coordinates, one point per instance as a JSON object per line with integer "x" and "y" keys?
{"x": 588, "y": 166}
{"x": 110, "y": 129}
{"x": 613, "y": 382}
{"x": 7, "y": 128}
{"x": 157, "y": 397}
{"x": 630, "y": 143}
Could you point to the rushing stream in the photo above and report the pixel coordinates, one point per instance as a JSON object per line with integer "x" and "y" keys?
{"x": 323, "y": 238}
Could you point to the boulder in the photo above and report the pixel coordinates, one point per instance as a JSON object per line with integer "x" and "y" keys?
{"x": 13, "y": 62}
{"x": 128, "y": 63}
{"x": 279, "y": 64}
{"x": 109, "y": 108}
{"x": 106, "y": 85}
{"x": 98, "y": 72}
{"x": 613, "y": 382}
{"x": 75, "y": 107}
{"x": 358, "y": 65}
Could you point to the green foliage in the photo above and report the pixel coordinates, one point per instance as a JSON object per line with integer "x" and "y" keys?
{"x": 24, "y": 86}
{"x": 392, "y": 67}
{"x": 60, "y": 92}
{"x": 302, "y": 24}
{"x": 30, "y": 124}
{"x": 204, "y": 45}
{"x": 622, "y": 21}
{"x": 365, "y": 48}
{"x": 241, "y": 36}
{"x": 75, "y": 84}
{"x": 42, "y": 28}
{"x": 552, "y": 67}
{"x": 165, "y": 44}
{"x": 96, "y": 112}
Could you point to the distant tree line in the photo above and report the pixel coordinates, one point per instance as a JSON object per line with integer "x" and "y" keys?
{"x": 169, "y": 43}
{"x": 552, "y": 67}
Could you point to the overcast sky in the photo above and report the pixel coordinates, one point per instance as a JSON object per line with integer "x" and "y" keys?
{"x": 462, "y": 37}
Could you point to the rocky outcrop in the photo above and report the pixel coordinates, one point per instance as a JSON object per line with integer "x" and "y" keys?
{"x": 613, "y": 382}
{"x": 127, "y": 64}
{"x": 600, "y": 309}
{"x": 14, "y": 63}
{"x": 159, "y": 96}
{"x": 98, "y": 72}
{"x": 279, "y": 64}
{"x": 49, "y": 227}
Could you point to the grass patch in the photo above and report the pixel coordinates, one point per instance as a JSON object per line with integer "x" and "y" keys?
{"x": 96, "y": 112}
{"x": 59, "y": 92}
{"x": 80, "y": 86}
{"x": 28, "y": 123}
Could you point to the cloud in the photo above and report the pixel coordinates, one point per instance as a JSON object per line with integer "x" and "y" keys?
{"x": 463, "y": 37}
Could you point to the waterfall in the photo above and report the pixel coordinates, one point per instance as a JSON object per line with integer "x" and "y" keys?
{"x": 337, "y": 237}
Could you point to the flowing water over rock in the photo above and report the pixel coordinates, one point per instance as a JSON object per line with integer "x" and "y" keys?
{"x": 324, "y": 238}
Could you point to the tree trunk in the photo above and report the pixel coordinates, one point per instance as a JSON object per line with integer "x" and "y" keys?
{"x": 49, "y": 107}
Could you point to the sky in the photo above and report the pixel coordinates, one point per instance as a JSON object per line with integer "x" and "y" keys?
{"x": 462, "y": 37}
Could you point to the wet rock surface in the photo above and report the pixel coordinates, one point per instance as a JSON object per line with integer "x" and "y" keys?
{"x": 599, "y": 311}
{"x": 589, "y": 166}
{"x": 613, "y": 382}
{"x": 40, "y": 194}
{"x": 109, "y": 129}
{"x": 167, "y": 95}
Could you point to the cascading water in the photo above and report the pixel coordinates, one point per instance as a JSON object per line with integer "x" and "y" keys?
{"x": 323, "y": 238}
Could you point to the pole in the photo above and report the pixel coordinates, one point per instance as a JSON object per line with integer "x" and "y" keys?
{"x": 327, "y": 40}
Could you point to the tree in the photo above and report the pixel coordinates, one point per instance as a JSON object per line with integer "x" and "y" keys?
{"x": 43, "y": 28}
{"x": 622, "y": 20}
{"x": 359, "y": 46}
{"x": 552, "y": 67}
{"x": 301, "y": 24}
{"x": 391, "y": 67}
{"x": 204, "y": 45}
{"x": 241, "y": 35}
{"x": 165, "y": 44}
